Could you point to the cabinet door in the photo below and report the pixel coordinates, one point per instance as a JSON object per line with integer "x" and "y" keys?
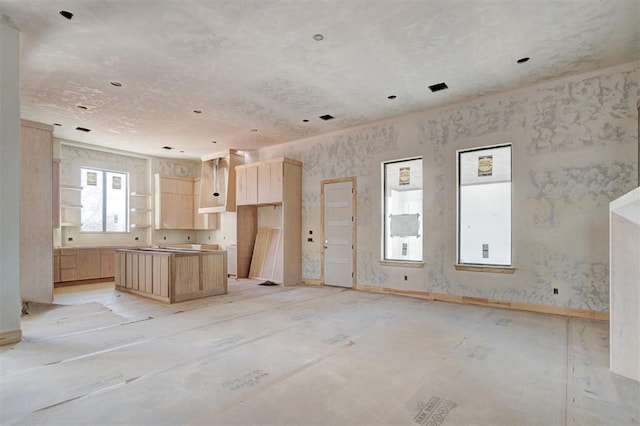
{"x": 168, "y": 210}
{"x": 276, "y": 175}
{"x": 107, "y": 257}
{"x": 264, "y": 184}
{"x": 184, "y": 187}
{"x": 184, "y": 216}
{"x": 88, "y": 264}
{"x": 252, "y": 185}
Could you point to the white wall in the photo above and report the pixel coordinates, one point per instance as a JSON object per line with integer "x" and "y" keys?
{"x": 574, "y": 150}
{"x": 10, "y": 306}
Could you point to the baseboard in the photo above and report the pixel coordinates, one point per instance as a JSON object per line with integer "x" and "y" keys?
{"x": 10, "y": 337}
{"x": 82, "y": 282}
{"x": 311, "y": 281}
{"x": 493, "y": 303}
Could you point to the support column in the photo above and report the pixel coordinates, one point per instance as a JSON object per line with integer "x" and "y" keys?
{"x": 10, "y": 304}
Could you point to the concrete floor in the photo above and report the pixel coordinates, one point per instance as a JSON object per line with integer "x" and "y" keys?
{"x": 306, "y": 355}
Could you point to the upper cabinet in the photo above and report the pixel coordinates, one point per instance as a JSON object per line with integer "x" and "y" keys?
{"x": 218, "y": 181}
{"x": 262, "y": 182}
{"x": 176, "y": 200}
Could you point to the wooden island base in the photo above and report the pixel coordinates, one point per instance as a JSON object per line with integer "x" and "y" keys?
{"x": 171, "y": 275}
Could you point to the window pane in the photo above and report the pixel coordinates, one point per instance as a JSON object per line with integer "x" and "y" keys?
{"x": 403, "y": 210}
{"x": 485, "y": 206}
{"x": 92, "y": 201}
{"x": 116, "y": 196}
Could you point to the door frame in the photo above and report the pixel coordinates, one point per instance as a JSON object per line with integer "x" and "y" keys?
{"x": 354, "y": 213}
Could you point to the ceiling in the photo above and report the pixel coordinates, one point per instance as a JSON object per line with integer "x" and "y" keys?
{"x": 255, "y": 71}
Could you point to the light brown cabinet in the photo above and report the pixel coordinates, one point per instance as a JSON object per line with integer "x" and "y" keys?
{"x": 278, "y": 189}
{"x": 77, "y": 264}
{"x": 171, "y": 275}
{"x": 174, "y": 202}
{"x": 177, "y": 200}
{"x": 88, "y": 264}
{"x": 68, "y": 265}
{"x": 260, "y": 183}
{"x": 107, "y": 262}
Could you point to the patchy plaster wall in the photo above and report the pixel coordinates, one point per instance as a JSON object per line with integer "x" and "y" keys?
{"x": 574, "y": 150}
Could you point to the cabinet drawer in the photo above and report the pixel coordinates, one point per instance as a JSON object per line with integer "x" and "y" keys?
{"x": 69, "y": 274}
{"x": 68, "y": 261}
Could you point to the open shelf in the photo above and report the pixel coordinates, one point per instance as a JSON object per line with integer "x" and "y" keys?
{"x": 71, "y": 187}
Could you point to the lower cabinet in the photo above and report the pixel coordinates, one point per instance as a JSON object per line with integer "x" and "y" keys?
{"x": 77, "y": 264}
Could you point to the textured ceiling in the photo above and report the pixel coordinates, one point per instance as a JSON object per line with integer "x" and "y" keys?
{"x": 255, "y": 65}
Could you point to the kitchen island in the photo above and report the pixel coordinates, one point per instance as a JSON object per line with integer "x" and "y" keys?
{"x": 171, "y": 275}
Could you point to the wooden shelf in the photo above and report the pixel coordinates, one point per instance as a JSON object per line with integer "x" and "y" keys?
{"x": 137, "y": 210}
{"x": 140, "y": 225}
{"x": 140, "y": 194}
{"x": 71, "y": 224}
{"x": 71, "y": 206}
{"x": 71, "y": 187}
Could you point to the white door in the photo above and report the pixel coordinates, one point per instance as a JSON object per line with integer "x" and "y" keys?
{"x": 338, "y": 233}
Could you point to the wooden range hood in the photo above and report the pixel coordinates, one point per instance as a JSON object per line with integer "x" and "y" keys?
{"x": 219, "y": 176}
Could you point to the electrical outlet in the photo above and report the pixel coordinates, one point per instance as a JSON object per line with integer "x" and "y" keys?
{"x": 310, "y": 240}
{"x": 405, "y": 278}
{"x": 70, "y": 239}
{"x": 136, "y": 238}
{"x": 555, "y": 291}
{"x": 164, "y": 237}
{"x": 188, "y": 237}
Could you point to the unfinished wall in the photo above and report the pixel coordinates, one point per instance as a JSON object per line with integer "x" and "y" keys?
{"x": 9, "y": 183}
{"x": 141, "y": 170}
{"x": 574, "y": 150}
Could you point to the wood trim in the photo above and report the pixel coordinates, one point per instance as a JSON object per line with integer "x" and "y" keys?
{"x": 312, "y": 281}
{"x": 10, "y": 337}
{"x": 36, "y": 125}
{"x": 479, "y": 268}
{"x": 81, "y": 282}
{"x": 492, "y": 303}
{"x": 402, "y": 264}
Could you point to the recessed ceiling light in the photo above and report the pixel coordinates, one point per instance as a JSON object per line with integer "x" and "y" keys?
{"x": 326, "y": 117}
{"x": 117, "y": 84}
{"x": 57, "y": 124}
{"x": 438, "y": 87}
{"x": 254, "y": 130}
{"x": 214, "y": 141}
{"x": 167, "y": 147}
{"x": 66, "y": 14}
{"x": 197, "y": 111}
{"x": 83, "y": 129}
{"x": 82, "y": 107}
{"x": 318, "y": 37}
{"x": 391, "y": 97}
{"x": 523, "y": 60}
{"x": 182, "y": 152}
{"x": 305, "y": 121}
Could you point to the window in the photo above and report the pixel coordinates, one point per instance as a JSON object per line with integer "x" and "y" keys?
{"x": 402, "y": 210}
{"x": 484, "y": 206}
{"x": 104, "y": 201}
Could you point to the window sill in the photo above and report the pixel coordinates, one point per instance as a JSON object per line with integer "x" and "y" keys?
{"x": 483, "y": 268}
{"x": 402, "y": 263}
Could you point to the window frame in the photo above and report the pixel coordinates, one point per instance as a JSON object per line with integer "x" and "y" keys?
{"x": 483, "y": 267}
{"x": 398, "y": 262}
{"x": 104, "y": 200}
